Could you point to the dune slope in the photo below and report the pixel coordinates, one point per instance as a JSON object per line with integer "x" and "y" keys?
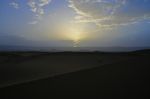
{"x": 122, "y": 79}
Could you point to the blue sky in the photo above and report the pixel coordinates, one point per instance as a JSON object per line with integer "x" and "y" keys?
{"x": 75, "y": 22}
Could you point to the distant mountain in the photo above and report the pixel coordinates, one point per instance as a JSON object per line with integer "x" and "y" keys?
{"x": 13, "y": 40}
{"x": 16, "y": 43}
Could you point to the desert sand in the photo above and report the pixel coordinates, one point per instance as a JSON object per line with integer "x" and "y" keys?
{"x": 41, "y": 75}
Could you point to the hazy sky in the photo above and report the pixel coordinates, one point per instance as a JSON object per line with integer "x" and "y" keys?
{"x": 75, "y": 22}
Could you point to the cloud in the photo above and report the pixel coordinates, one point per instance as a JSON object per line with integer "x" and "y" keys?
{"x": 33, "y": 22}
{"x": 109, "y": 13}
{"x": 37, "y": 7}
{"x": 104, "y": 13}
{"x": 14, "y": 4}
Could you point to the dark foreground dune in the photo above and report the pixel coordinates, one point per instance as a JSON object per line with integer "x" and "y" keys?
{"x": 76, "y": 75}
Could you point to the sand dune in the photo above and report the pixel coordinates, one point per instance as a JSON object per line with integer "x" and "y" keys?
{"x": 22, "y": 67}
{"x": 93, "y": 74}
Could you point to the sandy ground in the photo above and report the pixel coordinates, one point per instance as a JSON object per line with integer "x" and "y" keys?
{"x": 87, "y": 74}
{"x": 22, "y": 67}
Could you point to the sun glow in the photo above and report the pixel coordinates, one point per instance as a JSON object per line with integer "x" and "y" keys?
{"x": 75, "y": 36}
{"x": 75, "y": 33}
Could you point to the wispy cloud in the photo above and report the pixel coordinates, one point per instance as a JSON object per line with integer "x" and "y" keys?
{"x": 37, "y": 7}
{"x": 104, "y": 13}
{"x": 14, "y": 4}
{"x": 33, "y": 22}
{"x": 109, "y": 13}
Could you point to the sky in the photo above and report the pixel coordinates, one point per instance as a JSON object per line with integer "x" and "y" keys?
{"x": 75, "y": 23}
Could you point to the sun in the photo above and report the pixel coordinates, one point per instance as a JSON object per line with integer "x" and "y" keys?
{"x": 75, "y": 36}
{"x": 74, "y": 33}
